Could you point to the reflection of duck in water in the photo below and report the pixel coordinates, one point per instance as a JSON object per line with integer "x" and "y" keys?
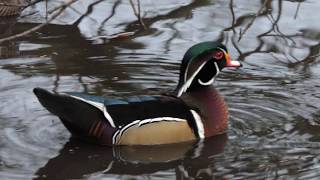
{"x": 11, "y": 7}
{"x": 196, "y": 111}
{"x": 189, "y": 159}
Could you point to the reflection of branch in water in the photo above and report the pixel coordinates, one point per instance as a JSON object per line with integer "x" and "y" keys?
{"x": 32, "y": 3}
{"x": 84, "y": 85}
{"x": 115, "y": 5}
{"x": 60, "y": 8}
{"x": 276, "y": 28}
{"x": 290, "y": 59}
{"x": 137, "y": 12}
{"x": 174, "y": 36}
{"x": 233, "y": 28}
{"x": 237, "y": 23}
{"x": 89, "y": 11}
{"x": 311, "y": 57}
{"x": 297, "y": 10}
{"x": 56, "y": 82}
{"x": 253, "y": 19}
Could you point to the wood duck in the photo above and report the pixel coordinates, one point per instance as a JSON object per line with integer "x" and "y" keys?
{"x": 194, "y": 111}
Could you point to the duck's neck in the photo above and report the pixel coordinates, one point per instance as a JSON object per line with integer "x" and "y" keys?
{"x": 212, "y": 108}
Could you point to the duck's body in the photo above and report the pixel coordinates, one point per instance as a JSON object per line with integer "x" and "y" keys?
{"x": 195, "y": 112}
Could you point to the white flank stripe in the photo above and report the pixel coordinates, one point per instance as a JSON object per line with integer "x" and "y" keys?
{"x": 199, "y": 123}
{"x": 100, "y": 106}
{"x": 160, "y": 119}
{"x": 107, "y": 115}
{"x": 119, "y": 133}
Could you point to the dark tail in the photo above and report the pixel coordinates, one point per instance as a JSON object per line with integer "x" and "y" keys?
{"x": 81, "y": 119}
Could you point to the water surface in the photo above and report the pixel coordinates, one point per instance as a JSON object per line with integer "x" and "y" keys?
{"x": 274, "y": 129}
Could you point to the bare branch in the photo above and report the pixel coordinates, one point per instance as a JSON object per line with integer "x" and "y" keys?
{"x": 54, "y": 16}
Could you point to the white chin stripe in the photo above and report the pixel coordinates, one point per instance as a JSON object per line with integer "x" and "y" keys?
{"x": 206, "y": 83}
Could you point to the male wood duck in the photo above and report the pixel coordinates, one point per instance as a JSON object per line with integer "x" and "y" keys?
{"x": 194, "y": 111}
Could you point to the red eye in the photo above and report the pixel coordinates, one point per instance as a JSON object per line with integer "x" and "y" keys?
{"x": 218, "y": 55}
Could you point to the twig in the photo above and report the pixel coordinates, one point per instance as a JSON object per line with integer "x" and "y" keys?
{"x": 60, "y": 8}
{"x": 137, "y": 12}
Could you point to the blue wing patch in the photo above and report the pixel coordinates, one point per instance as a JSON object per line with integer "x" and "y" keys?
{"x": 137, "y": 99}
{"x": 98, "y": 99}
{"x": 112, "y": 101}
{"x": 87, "y": 97}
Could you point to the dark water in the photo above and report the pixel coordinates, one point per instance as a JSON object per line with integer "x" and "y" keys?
{"x": 274, "y": 130}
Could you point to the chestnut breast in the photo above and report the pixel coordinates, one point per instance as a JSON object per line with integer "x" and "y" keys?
{"x": 212, "y": 108}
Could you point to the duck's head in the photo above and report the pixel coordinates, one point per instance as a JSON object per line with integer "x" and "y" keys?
{"x": 201, "y": 64}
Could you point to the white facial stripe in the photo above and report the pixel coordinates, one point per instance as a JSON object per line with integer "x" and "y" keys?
{"x": 222, "y": 50}
{"x": 186, "y": 72}
{"x": 187, "y": 83}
